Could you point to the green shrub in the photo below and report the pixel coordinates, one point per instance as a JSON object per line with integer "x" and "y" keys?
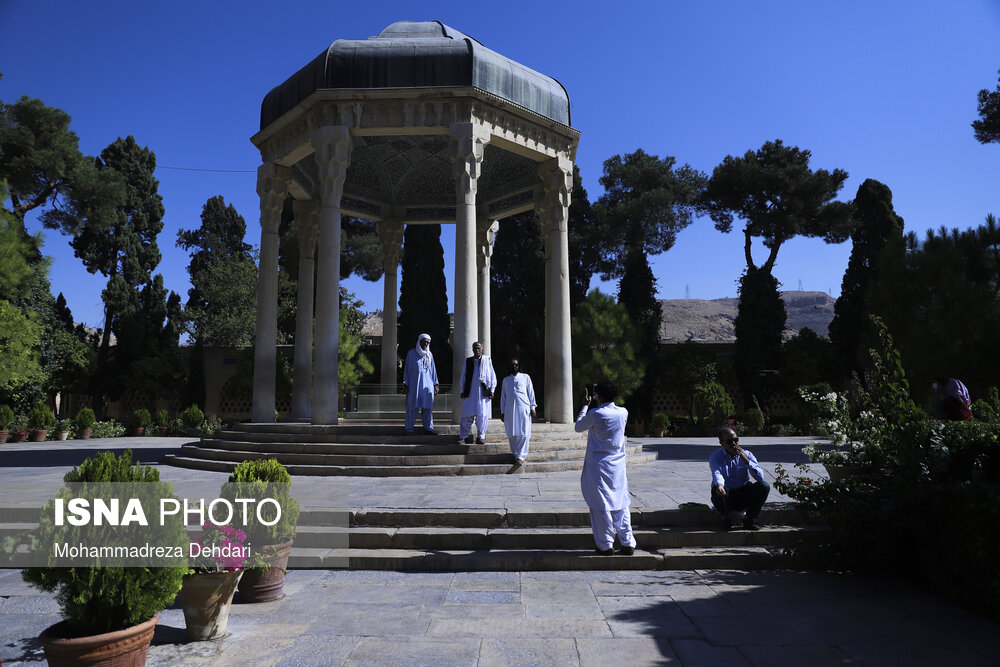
{"x": 660, "y": 422}
{"x": 6, "y": 417}
{"x": 62, "y": 426}
{"x": 192, "y": 416}
{"x": 712, "y": 405}
{"x": 107, "y": 429}
{"x": 85, "y": 419}
{"x": 41, "y": 417}
{"x": 268, "y": 474}
{"x": 140, "y": 418}
{"x": 103, "y": 599}
{"x": 163, "y": 418}
{"x": 753, "y": 419}
{"x": 210, "y": 426}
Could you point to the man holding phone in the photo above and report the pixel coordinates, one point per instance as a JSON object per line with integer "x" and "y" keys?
{"x": 603, "y": 481}
{"x": 737, "y": 481}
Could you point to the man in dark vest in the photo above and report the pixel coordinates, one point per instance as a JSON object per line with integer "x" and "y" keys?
{"x": 477, "y": 383}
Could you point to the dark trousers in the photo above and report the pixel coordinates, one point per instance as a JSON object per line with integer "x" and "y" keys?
{"x": 749, "y": 497}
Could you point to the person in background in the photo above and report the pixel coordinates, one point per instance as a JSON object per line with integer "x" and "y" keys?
{"x": 478, "y": 382}
{"x": 420, "y": 384}
{"x": 737, "y": 481}
{"x": 517, "y": 407}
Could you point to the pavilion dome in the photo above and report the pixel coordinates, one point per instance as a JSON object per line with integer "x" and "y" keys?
{"x": 411, "y": 54}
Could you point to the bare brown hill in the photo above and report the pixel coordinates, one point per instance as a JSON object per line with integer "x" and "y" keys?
{"x": 712, "y": 320}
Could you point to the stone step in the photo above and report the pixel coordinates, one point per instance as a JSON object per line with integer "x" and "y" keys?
{"x": 450, "y": 448}
{"x": 335, "y": 431}
{"x": 515, "y": 560}
{"x": 396, "y": 470}
{"x": 438, "y": 538}
{"x": 375, "y": 457}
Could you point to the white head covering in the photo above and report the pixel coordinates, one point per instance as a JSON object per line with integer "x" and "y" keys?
{"x": 425, "y": 355}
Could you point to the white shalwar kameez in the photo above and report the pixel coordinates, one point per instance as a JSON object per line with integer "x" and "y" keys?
{"x": 517, "y": 400}
{"x": 603, "y": 481}
{"x": 420, "y": 378}
{"x": 477, "y": 406}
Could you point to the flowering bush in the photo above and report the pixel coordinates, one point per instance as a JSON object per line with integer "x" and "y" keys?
{"x": 107, "y": 429}
{"x": 225, "y": 545}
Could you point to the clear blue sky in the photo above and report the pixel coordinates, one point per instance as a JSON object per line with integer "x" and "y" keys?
{"x": 881, "y": 89}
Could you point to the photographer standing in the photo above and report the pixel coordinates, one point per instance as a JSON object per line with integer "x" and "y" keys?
{"x": 604, "y": 482}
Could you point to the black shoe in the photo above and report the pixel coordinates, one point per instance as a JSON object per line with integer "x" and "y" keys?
{"x": 469, "y": 440}
{"x": 626, "y": 551}
{"x": 750, "y": 524}
{"x": 480, "y": 441}
{"x": 430, "y": 431}
{"x": 606, "y": 552}
{"x": 727, "y": 524}
{"x": 514, "y": 469}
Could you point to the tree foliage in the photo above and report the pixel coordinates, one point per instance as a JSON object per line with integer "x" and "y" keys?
{"x": 778, "y": 197}
{"x": 940, "y": 298}
{"x": 517, "y": 297}
{"x": 875, "y": 224}
{"x": 987, "y": 126}
{"x": 423, "y": 296}
{"x": 222, "y": 301}
{"x": 759, "y": 324}
{"x": 687, "y": 366}
{"x": 606, "y": 344}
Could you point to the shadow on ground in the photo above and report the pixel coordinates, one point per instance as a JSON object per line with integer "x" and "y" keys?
{"x": 55, "y": 458}
{"x": 764, "y": 453}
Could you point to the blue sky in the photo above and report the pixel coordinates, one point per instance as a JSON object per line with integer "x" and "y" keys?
{"x": 881, "y": 89}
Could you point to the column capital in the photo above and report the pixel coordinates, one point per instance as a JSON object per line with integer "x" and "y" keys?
{"x": 307, "y": 222}
{"x": 554, "y": 195}
{"x": 272, "y": 186}
{"x": 468, "y": 143}
{"x": 333, "y": 144}
{"x": 390, "y": 233}
{"x": 486, "y": 235}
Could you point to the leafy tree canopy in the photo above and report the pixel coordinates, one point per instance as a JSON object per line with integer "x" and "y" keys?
{"x": 645, "y": 204}
{"x": 605, "y": 344}
{"x": 987, "y": 126}
{"x": 778, "y": 197}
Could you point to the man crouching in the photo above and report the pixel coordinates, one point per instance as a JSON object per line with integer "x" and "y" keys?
{"x": 737, "y": 481}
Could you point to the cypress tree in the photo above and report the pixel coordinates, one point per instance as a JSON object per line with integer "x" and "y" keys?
{"x": 759, "y": 324}
{"x": 423, "y": 296}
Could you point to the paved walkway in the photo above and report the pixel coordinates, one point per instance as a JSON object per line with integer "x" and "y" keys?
{"x": 559, "y": 618}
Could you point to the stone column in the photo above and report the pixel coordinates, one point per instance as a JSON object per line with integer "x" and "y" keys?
{"x": 391, "y": 234}
{"x": 307, "y": 221}
{"x": 468, "y": 141}
{"x": 557, "y": 184}
{"x": 487, "y": 232}
{"x": 333, "y": 153}
{"x": 272, "y": 184}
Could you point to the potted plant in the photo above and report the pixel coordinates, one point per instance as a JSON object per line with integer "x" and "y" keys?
{"x": 266, "y": 477}
{"x": 110, "y": 612}
{"x": 162, "y": 422}
{"x": 85, "y": 421}
{"x": 192, "y": 418}
{"x": 61, "y": 429}
{"x": 6, "y": 419}
{"x": 207, "y": 594}
{"x": 18, "y": 429}
{"x": 40, "y": 419}
{"x": 753, "y": 418}
{"x": 139, "y": 420}
{"x": 660, "y": 424}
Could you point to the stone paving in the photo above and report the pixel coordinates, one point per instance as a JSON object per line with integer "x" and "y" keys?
{"x": 710, "y": 617}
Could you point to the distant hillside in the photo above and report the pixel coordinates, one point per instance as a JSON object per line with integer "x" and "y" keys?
{"x": 710, "y": 320}
{"x": 703, "y": 320}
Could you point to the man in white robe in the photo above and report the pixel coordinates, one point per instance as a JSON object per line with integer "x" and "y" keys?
{"x": 420, "y": 383}
{"x": 517, "y": 407}
{"x": 603, "y": 481}
{"x": 478, "y": 382}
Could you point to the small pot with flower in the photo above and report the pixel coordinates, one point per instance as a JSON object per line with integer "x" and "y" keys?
{"x": 139, "y": 420}
{"x": 207, "y": 593}
{"x": 40, "y": 420}
{"x": 6, "y": 419}
{"x": 61, "y": 429}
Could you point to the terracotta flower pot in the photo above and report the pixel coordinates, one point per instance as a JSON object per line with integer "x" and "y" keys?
{"x": 206, "y": 598}
{"x": 3, "y": 436}
{"x": 259, "y": 585}
{"x": 138, "y": 430}
{"x": 85, "y": 434}
{"x": 38, "y": 434}
{"x": 123, "y": 648}
{"x": 15, "y": 436}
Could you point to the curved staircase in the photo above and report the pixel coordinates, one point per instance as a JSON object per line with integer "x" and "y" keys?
{"x": 386, "y": 450}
